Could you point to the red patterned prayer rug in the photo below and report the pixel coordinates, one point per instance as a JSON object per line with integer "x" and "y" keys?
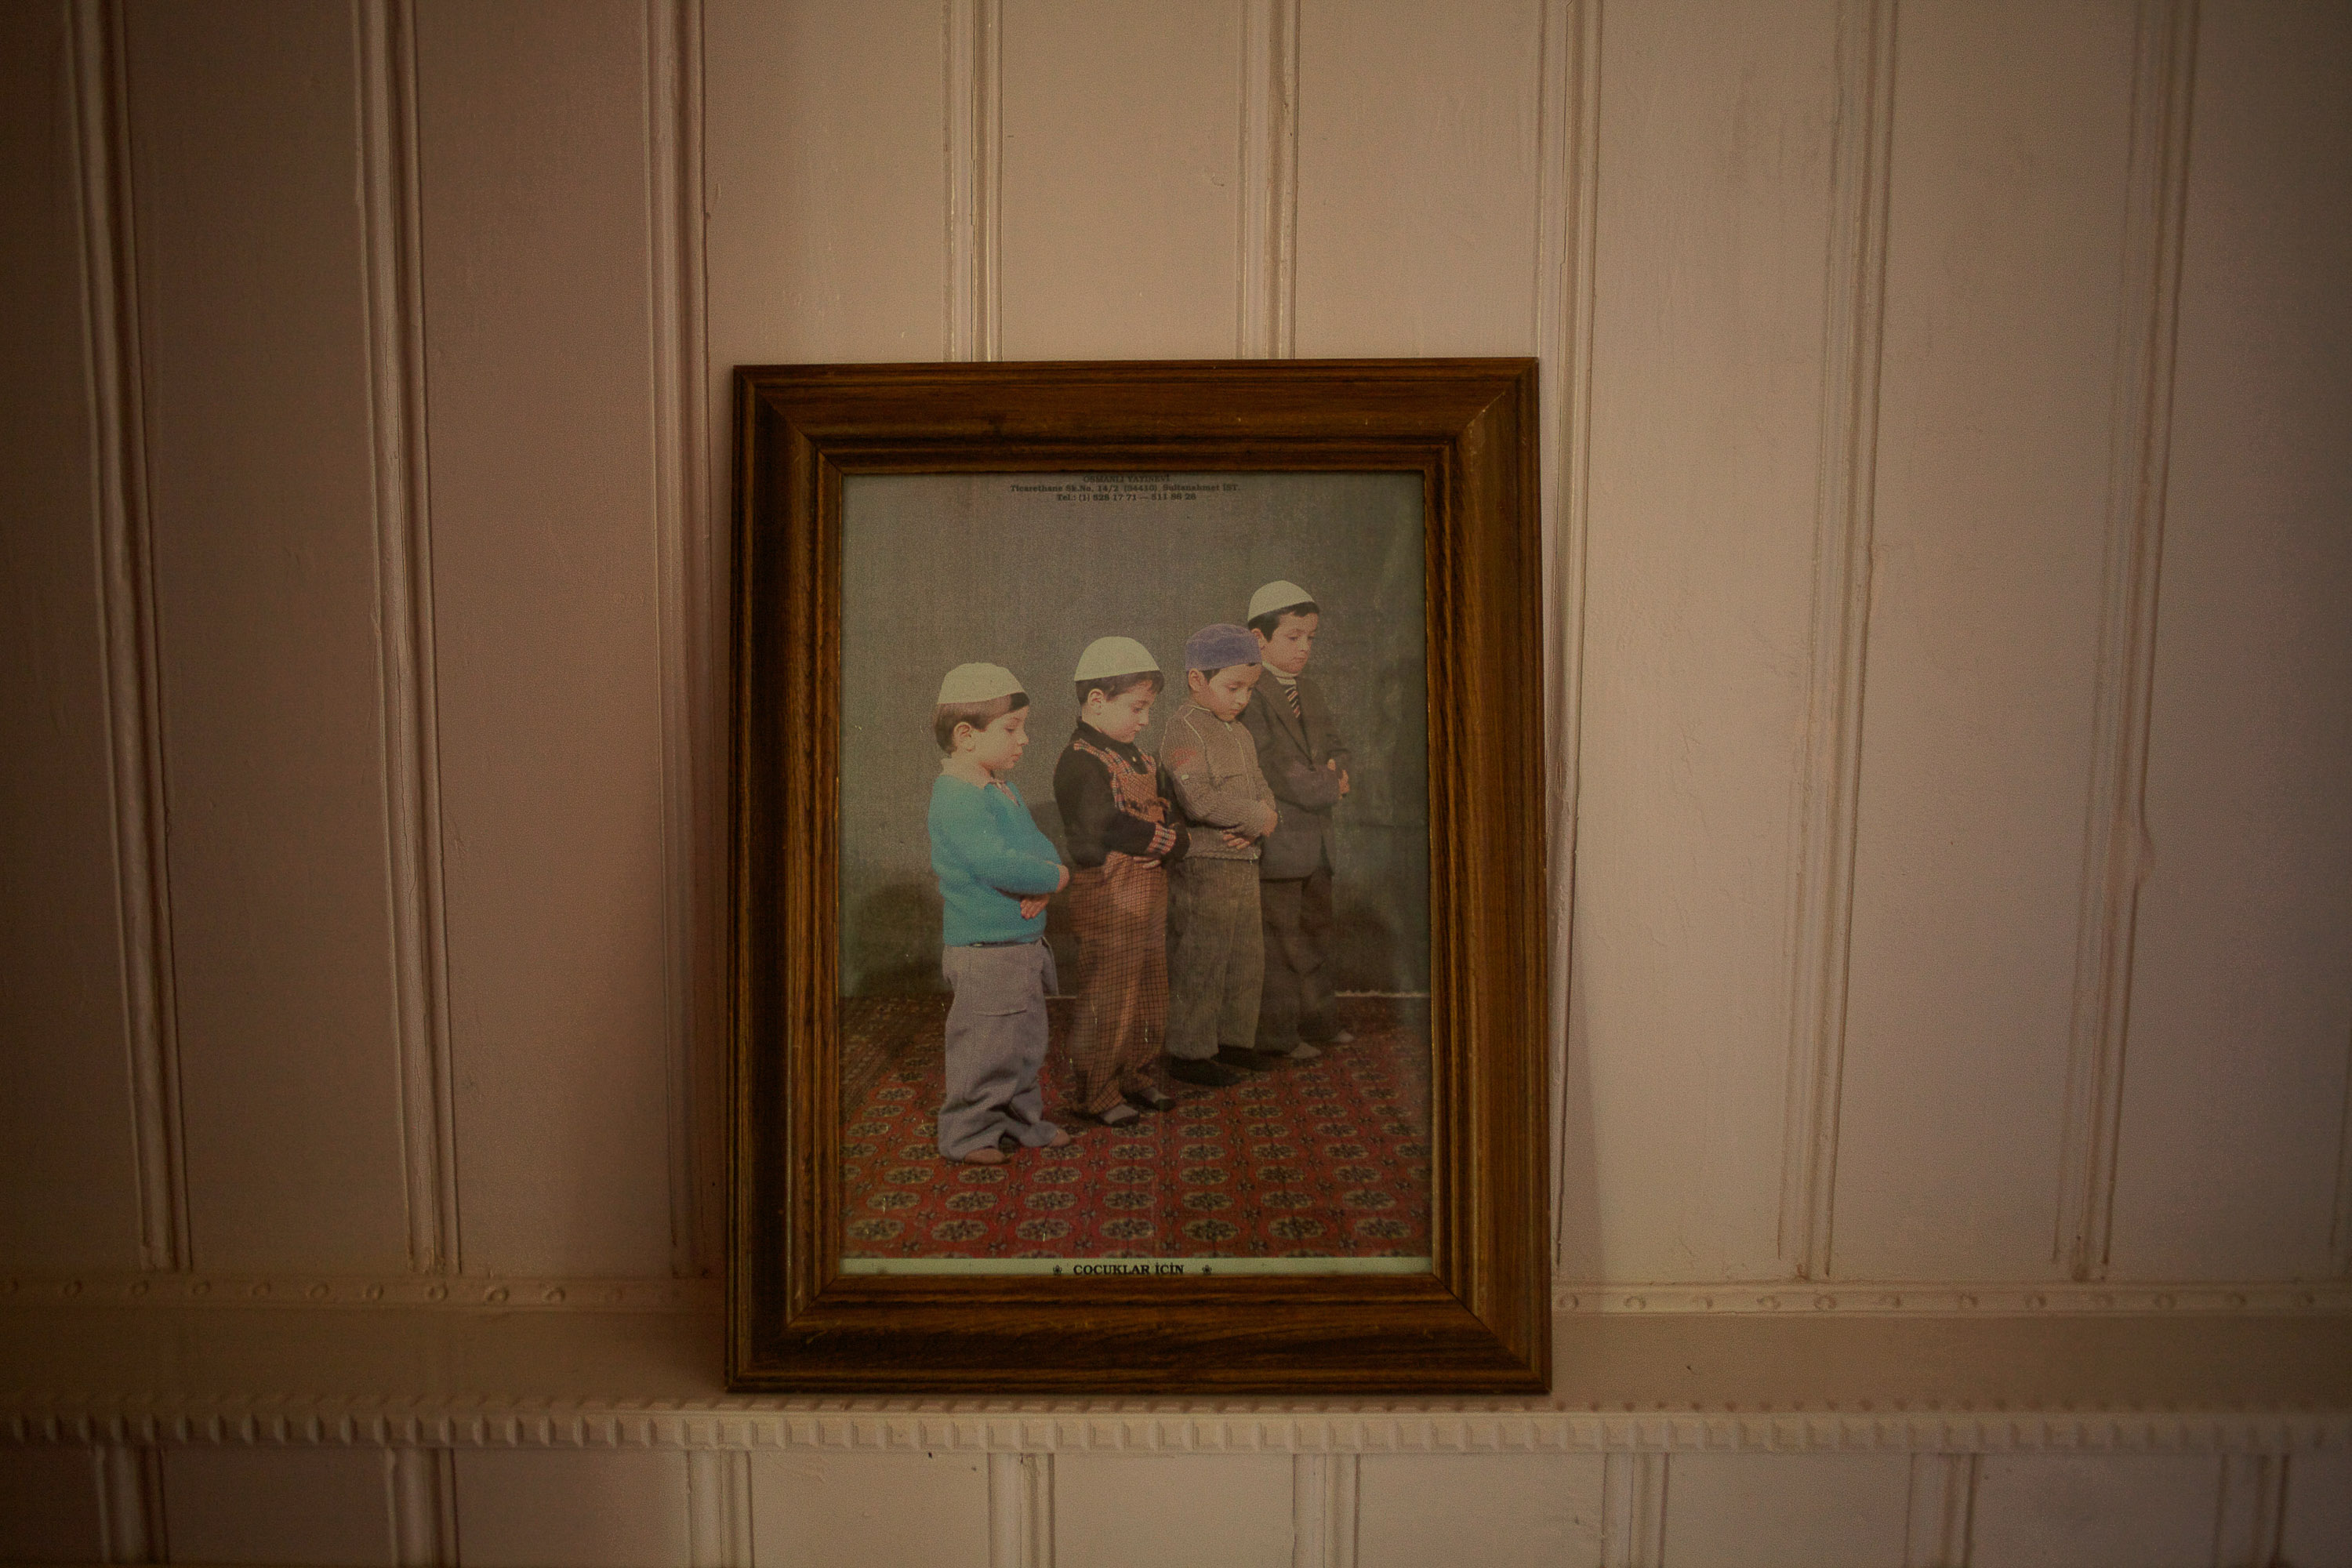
{"x": 1322, "y": 1159}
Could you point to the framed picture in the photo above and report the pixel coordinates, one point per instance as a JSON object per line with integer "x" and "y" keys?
{"x": 1139, "y": 870}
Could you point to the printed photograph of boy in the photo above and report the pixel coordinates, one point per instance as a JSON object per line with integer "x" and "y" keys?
{"x": 1134, "y": 872}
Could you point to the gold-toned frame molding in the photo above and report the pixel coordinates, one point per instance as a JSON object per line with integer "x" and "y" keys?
{"x": 1479, "y": 1322}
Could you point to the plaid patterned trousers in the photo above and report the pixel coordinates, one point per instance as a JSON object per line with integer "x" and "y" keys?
{"x": 1120, "y": 909}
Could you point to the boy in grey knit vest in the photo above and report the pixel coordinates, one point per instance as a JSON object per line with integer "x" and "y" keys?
{"x": 1216, "y": 957}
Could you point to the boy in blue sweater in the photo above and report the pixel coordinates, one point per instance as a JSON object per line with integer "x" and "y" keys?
{"x": 996, "y": 872}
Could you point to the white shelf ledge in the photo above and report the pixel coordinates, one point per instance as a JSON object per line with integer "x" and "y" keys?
{"x": 76, "y": 1372}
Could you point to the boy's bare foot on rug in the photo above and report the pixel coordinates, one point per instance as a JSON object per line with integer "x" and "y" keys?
{"x": 1119, "y": 1115}
{"x": 1060, "y": 1139}
{"x": 986, "y": 1154}
{"x": 1150, "y": 1097}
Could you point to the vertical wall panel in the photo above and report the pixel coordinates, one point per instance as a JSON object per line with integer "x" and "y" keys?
{"x": 1121, "y": 223}
{"x": 537, "y": 296}
{"x": 48, "y": 1506}
{"x": 814, "y": 1510}
{"x": 71, "y": 1198}
{"x": 1417, "y": 178}
{"x": 273, "y": 1505}
{"x": 1112, "y": 1511}
{"x": 2037, "y": 1510}
{"x": 244, "y": 154}
{"x": 566, "y": 1508}
{"x": 2241, "y": 983}
{"x": 1533, "y": 1511}
{"x": 825, "y": 184}
{"x": 2005, "y": 245}
{"x": 1759, "y": 1510}
{"x": 1713, "y": 231}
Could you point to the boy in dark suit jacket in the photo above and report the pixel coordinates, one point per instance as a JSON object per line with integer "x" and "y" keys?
{"x": 1306, "y": 761}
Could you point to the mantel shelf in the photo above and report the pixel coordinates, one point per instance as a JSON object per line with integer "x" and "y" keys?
{"x": 585, "y": 1376}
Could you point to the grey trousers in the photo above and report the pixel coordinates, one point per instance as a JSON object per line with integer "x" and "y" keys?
{"x": 1297, "y": 1002}
{"x": 1216, "y": 956}
{"x": 996, "y": 1041}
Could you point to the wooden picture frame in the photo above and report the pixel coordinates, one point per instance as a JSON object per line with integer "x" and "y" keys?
{"x": 1479, "y": 1322}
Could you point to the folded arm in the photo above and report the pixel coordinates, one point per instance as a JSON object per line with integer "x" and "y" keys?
{"x": 1301, "y": 782}
{"x": 1000, "y": 863}
{"x": 1238, "y": 810}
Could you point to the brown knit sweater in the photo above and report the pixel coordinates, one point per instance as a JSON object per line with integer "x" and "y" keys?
{"x": 1214, "y": 764}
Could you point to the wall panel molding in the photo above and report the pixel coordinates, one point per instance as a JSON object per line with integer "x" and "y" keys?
{"x": 719, "y": 1508}
{"x": 131, "y": 1521}
{"x": 692, "y": 872}
{"x": 186, "y": 1291}
{"x": 975, "y": 157}
{"x": 1268, "y": 265}
{"x": 2250, "y": 1516}
{"x": 2340, "y": 1230}
{"x": 1853, "y": 349}
{"x": 1938, "y": 1511}
{"x": 1569, "y": 147}
{"x": 132, "y": 673}
{"x": 1323, "y": 1511}
{"x": 423, "y": 1504}
{"x": 1021, "y": 1510}
{"x": 1935, "y": 1298}
{"x": 721, "y": 1421}
{"x": 2116, "y": 846}
{"x": 1634, "y": 1511}
{"x": 390, "y": 225}
{"x": 298, "y": 1291}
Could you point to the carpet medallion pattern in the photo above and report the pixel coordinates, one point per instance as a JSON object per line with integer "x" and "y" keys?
{"x": 1323, "y": 1159}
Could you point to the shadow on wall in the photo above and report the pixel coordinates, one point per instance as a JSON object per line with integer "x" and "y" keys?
{"x": 1365, "y": 956}
{"x": 890, "y": 942}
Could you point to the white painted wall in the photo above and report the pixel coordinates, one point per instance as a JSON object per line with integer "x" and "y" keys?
{"x": 1950, "y": 504}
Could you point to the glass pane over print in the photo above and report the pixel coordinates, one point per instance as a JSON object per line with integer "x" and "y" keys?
{"x": 1140, "y": 984}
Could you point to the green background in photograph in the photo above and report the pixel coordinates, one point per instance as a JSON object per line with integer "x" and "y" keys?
{"x": 1024, "y": 570}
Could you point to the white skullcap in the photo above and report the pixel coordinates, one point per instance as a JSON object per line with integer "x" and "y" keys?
{"x": 1115, "y": 656}
{"x": 978, "y": 683}
{"x": 1276, "y": 596}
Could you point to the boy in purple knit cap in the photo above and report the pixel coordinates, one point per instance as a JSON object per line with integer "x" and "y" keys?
{"x": 1216, "y": 957}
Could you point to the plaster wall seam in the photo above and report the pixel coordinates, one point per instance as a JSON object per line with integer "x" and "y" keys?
{"x": 975, "y": 159}
{"x": 1830, "y": 786}
{"x": 1568, "y": 143}
{"x": 2250, "y": 1511}
{"x": 124, "y": 544}
{"x": 679, "y": 436}
{"x": 423, "y": 1501}
{"x": 1268, "y": 265}
{"x": 719, "y": 1508}
{"x": 1021, "y": 1510}
{"x": 2115, "y": 851}
{"x": 1633, "y": 1510}
{"x": 1938, "y": 1511}
{"x": 391, "y": 228}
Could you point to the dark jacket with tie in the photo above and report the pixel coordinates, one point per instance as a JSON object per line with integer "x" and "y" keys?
{"x": 1293, "y": 749}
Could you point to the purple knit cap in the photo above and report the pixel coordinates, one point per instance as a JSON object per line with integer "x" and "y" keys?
{"x": 1214, "y": 647}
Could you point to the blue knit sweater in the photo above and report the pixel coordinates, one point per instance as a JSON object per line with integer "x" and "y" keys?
{"x": 989, "y": 856}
